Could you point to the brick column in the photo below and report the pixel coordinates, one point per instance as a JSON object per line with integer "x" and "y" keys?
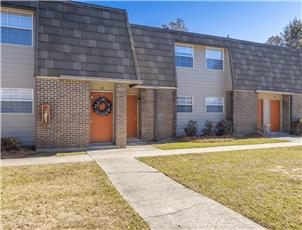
{"x": 146, "y": 114}
{"x": 285, "y": 113}
{"x": 296, "y": 107}
{"x": 245, "y": 112}
{"x": 120, "y": 114}
{"x": 165, "y": 113}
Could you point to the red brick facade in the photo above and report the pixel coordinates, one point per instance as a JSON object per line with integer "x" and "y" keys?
{"x": 69, "y": 125}
{"x": 69, "y": 119}
{"x": 157, "y": 114}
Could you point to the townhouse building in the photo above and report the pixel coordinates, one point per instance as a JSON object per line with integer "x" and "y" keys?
{"x": 76, "y": 74}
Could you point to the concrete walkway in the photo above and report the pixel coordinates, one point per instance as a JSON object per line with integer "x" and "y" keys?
{"x": 164, "y": 203}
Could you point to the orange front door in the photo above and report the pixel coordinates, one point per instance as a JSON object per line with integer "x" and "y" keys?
{"x": 260, "y": 113}
{"x": 275, "y": 115}
{"x": 100, "y": 126}
{"x": 131, "y": 116}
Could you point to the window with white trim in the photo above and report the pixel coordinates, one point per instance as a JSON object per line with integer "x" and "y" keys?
{"x": 214, "y": 59}
{"x": 16, "y": 100}
{"x": 16, "y": 28}
{"x": 184, "y": 104}
{"x": 184, "y": 56}
{"x": 214, "y": 104}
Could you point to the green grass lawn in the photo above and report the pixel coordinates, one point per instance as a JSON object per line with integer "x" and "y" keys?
{"x": 201, "y": 143}
{"x": 263, "y": 185}
{"x": 73, "y": 196}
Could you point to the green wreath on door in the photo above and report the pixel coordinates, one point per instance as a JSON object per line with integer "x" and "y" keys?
{"x": 96, "y": 106}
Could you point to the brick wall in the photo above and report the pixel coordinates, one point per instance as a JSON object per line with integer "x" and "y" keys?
{"x": 69, "y": 120}
{"x": 157, "y": 114}
{"x": 285, "y": 113}
{"x": 245, "y": 112}
{"x": 165, "y": 113}
{"x": 146, "y": 114}
{"x": 296, "y": 107}
{"x": 120, "y": 114}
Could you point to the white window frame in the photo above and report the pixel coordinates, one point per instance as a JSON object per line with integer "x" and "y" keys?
{"x": 16, "y": 27}
{"x": 184, "y": 104}
{"x": 33, "y": 97}
{"x": 206, "y": 63}
{"x": 217, "y": 105}
{"x": 184, "y": 45}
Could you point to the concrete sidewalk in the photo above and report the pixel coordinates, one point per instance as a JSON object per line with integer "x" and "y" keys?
{"x": 149, "y": 150}
{"x": 44, "y": 160}
{"x": 141, "y": 151}
{"x": 164, "y": 203}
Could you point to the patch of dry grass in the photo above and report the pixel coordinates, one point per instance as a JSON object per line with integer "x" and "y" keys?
{"x": 214, "y": 142}
{"x": 264, "y": 185}
{"x": 77, "y": 195}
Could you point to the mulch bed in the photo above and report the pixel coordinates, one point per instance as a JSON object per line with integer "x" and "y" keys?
{"x": 21, "y": 153}
{"x": 214, "y": 138}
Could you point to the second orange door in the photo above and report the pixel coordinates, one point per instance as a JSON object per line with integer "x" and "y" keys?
{"x": 275, "y": 115}
{"x": 131, "y": 116}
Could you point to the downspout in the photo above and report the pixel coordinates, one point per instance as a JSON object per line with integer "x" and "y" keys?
{"x": 155, "y": 116}
{"x": 136, "y": 66}
{"x": 231, "y": 67}
{"x": 175, "y": 94}
{"x": 233, "y": 84}
{"x": 290, "y": 113}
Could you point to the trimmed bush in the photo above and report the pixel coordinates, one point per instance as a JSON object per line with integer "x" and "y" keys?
{"x": 296, "y": 127}
{"x": 9, "y": 143}
{"x": 191, "y": 128}
{"x": 223, "y": 127}
{"x": 208, "y": 129}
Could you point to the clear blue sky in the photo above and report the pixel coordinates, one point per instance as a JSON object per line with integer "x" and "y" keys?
{"x": 253, "y": 21}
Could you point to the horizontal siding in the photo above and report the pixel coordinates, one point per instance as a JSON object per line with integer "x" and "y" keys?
{"x": 201, "y": 83}
{"x": 19, "y": 126}
{"x": 17, "y": 66}
{"x": 18, "y": 72}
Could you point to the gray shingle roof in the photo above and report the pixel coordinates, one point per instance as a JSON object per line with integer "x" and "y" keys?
{"x": 255, "y": 66}
{"x": 87, "y": 40}
{"x": 82, "y": 40}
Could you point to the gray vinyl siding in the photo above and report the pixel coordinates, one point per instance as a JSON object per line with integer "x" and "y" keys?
{"x": 17, "y": 71}
{"x": 201, "y": 83}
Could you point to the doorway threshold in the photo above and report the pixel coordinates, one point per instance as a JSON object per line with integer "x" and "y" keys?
{"x": 102, "y": 146}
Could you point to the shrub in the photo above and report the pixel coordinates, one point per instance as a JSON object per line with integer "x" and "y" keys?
{"x": 296, "y": 127}
{"x": 208, "y": 129}
{"x": 191, "y": 128}
{"x": 9, "y": 143}
{"x": 223, "y": 127}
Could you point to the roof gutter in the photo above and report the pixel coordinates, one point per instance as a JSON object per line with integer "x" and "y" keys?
{"x": 275, "y": 92}
{"x": 83, "y": 78}
{"x": 154, "y": 87}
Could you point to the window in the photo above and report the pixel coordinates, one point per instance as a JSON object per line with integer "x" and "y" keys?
{"x": 214, "y": 104}
{"x": 16, "y": 28}
{"x": 214, "y": 59}
{"x": 184, "y": 104}
{"x": 184, "y": 56}
{"x": 16, "y": 100}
